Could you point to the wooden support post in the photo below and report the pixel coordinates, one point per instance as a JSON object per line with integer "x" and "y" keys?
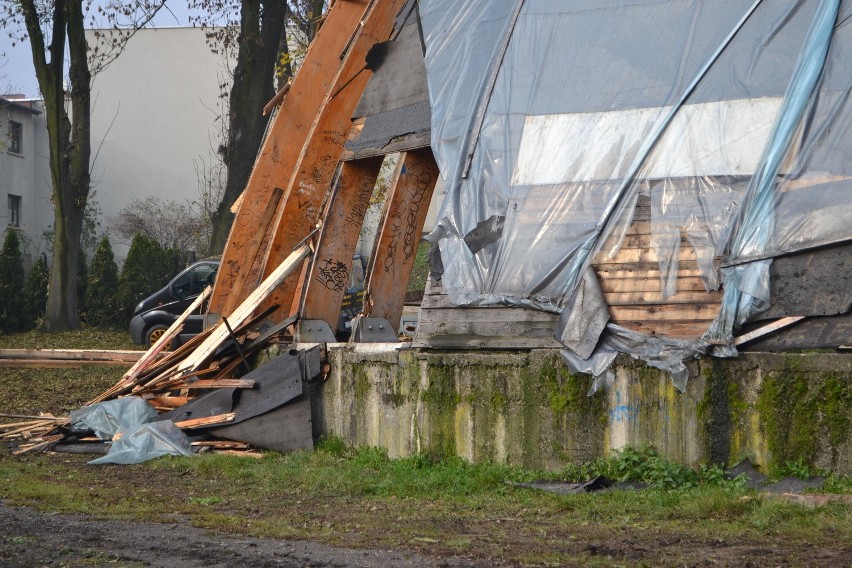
{"x": 280, "y": 153}
{"x": 332, "y": 263}
{"x": 399, "y": 235}
{"x": 311, "y": 182}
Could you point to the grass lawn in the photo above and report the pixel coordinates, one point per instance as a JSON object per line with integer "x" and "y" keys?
{"x": 360, "y": 498}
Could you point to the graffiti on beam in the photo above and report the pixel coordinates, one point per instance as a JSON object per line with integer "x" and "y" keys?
{"x": 333, "y": 274}
{"x": 410, "y": 239}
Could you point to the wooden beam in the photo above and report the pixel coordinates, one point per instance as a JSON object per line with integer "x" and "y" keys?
{"x": 282, "y": 148}
{"x": 399, "y": 235}
{"x": 206, "y": 350}
{"x": 767, "y": 329}
{"x": 166, "y": 338}
{"x": 332, "y": 263}
{"x": 72, "y": 354}
{"x": 310, "y": 184}
{"x": 206, "y": 421}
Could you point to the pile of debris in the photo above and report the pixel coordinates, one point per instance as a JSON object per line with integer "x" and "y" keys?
{"x": 188, "y": 400}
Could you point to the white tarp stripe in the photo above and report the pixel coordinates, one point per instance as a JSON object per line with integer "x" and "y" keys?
{"x": 708, "y": 139}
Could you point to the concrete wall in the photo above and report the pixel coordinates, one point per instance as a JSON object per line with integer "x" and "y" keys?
{"x": 525, "y": 409}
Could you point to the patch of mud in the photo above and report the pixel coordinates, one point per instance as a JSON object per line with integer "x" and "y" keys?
{"x": 31, "y": 538}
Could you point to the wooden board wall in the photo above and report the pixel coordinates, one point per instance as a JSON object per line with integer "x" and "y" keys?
{"x": 631, "y": 285}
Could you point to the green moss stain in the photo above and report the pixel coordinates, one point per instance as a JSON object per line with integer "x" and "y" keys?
{"x": 834, "y": 403}
{"x": 715, "y": 411}
{"x": 441, "y": 400}
{"x": 796, "y": 406}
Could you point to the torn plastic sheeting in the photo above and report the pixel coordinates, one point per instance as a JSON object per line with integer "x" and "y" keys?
{"x": 109, "y": 418}
{"x": 666, "y": 354}
{"x": 562, "y": 75}
{"x": 147, "y": 442}
{"x": 747, "y": 286}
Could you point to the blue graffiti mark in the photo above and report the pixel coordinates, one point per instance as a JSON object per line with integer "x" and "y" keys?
{"x": 623, "y": 412}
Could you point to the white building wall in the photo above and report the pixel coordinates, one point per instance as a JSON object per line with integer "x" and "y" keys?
{"x": 153, "y": 113}
{"x": 25, "y": 174}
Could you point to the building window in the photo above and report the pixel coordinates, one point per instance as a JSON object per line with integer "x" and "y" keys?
{"x": 16, "y": 134}
{"x": 15, "y": 210}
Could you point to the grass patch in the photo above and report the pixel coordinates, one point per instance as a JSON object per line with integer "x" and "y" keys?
{"x": 420, "y": 270}
{"x": 87, "y": 338}
{"x": 360, "y": 498}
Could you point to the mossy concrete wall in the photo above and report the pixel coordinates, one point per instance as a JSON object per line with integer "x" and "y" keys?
{"x": 526, "y": 409}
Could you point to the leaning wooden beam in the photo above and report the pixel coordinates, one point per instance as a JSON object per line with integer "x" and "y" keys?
{"x": 310, "y": 184}
{"x": 167, "y": 337}
{"x": 332, "y": 263}
{"x": 206, "y": 350}
{"x": 281, "y": 151}
{"x": 767, "y": 329}
{"x": 399, "y": 235}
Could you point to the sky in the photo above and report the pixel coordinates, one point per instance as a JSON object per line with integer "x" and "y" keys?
{"x": 16, "y": 64}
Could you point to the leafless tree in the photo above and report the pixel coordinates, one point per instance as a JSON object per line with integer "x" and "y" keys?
{"x": 55, "y": 29}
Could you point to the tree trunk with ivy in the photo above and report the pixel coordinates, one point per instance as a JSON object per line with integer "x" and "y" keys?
{"x": 70, "y": 147}
{"x": 261, "y": 31}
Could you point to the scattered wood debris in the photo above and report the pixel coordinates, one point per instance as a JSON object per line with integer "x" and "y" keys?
{"x": 168, "y": 381}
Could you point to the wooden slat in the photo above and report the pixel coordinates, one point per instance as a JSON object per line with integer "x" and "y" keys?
{"x": 664, "y": 312}
{"x": 217, "y": 384}
{"x": 72, "y": 354}
{"x": 205, "y": 422}
{"x": 57, "y": 363}
{"x": 283, "y": 146}
{"x": 332, "y": 262}
{"x": 399, "y": 235}
{"x": 220, "y": 333}
{"x": 310, "y": 184}
{"x": 167, "y": 337}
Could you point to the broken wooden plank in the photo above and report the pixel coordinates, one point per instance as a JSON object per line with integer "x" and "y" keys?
{"x": 767, "y": 329}
{"x": 204, "y": 351}
{"x": 206, "y": 421}
{"x": 58, "y": 363}
{"x": 167, "y": 336}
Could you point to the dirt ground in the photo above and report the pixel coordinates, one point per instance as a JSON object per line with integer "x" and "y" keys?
{"x": 30, "y": 538}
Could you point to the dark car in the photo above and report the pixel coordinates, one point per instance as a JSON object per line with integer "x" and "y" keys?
{"x": 153, "y": 316}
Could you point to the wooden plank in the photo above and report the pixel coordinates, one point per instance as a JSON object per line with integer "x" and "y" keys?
{"x": 686, "y": 329}
{"x": 167, "y": 337}
{"x": 169, "y": 401}
{"x": 653, "y": 297}
{"x": 282, "y": 148}
{"x": 664, "y": 312}
{"x": 767, "y": 329}
{"x": 399, "y": 235}
{"x": 123, "y": 356}
{"x": 217, "y": 384}
{"x": 57, "y": 364}
{"x": 219, "y": 334}
{"x": 205, "y": 422}
{"x": 332, "y": 262}
{"x": 641, "y": 283}
{"x": 310, "y": 184}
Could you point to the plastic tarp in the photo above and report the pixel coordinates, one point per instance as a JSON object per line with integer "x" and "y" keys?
{"x": 146, "y": 442}
{"x": 732, "y": 116}
{"x": 106, "y": 419}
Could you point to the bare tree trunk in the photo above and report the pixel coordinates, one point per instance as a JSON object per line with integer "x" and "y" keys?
{"x": 70, "y": 148}
{"x": 261, "y": 29}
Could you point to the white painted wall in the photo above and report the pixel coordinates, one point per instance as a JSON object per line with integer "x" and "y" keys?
{"x": 153, "y": 113}
{"x": 26, "y": 174}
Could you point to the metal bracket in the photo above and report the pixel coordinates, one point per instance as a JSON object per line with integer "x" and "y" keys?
{"x": 314, "y": 331}
{"x": 373, "y": 330}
